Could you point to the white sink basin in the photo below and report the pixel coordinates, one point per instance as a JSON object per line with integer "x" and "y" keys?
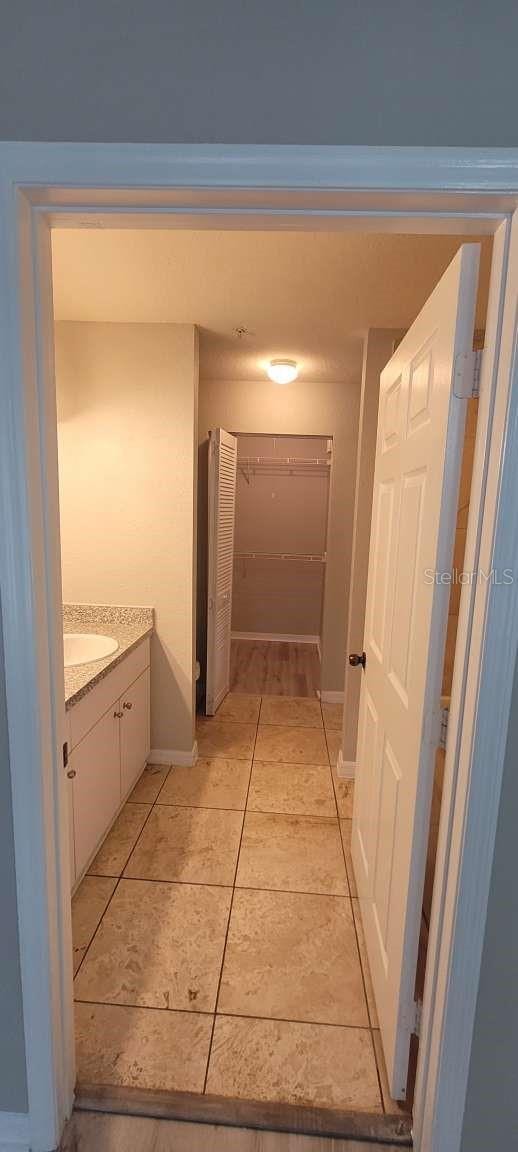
{"x": 82, "y": 647}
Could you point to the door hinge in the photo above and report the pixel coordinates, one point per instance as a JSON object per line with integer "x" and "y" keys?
{"x": 211, "y": 604}
{"x": 418, "y": 1014}
{"x": 443, "y": 732}
{"x": 65, "y": 754}
{"x": 466, "y": 374}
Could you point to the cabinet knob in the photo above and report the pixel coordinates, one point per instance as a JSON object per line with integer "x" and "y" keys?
{"x": 117, "y": 715}
{"x": 71, "y": 773}
{"x": 128, "y": 706}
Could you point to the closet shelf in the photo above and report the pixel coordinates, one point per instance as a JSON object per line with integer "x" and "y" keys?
{"x": 289, "y": 465}
{"x": 306, "y": 556}
{"x": 283, "y": 462}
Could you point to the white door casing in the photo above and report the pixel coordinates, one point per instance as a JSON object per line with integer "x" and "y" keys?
{"x": 417, "y": 471}
{"x": 222, "y": 508}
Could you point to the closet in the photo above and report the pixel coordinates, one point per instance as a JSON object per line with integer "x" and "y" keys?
{"x": 282, "y": 492}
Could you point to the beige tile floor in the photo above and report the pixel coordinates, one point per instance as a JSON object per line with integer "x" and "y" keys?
{"x": 217, "y": 940}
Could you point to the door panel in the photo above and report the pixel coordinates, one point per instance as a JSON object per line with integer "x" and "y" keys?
{"x": 418, "y": 454}
{"x": 134, "y": 706}
{"x": 222, "y": 508}
{"x": 97, "y": 785}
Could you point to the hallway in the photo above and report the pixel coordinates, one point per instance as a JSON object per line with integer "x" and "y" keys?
{"x": 217, "y": 939}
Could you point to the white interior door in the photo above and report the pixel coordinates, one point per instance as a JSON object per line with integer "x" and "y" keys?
{"x": 222, "y": 507}
{"x": 418, "y": 457}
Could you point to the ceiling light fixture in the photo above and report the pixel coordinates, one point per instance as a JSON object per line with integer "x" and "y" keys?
{"x": 282, "y": 371}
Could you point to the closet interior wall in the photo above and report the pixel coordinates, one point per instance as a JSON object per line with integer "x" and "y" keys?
{"x": 280, "y": 536}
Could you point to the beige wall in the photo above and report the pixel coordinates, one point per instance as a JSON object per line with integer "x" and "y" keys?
{"x": 377, "y": 350}
{"x": 127, "y": 396}
{"x": 301, "y": 409}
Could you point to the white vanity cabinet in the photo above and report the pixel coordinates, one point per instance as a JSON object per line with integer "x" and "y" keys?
{"x": 109, "y": 745}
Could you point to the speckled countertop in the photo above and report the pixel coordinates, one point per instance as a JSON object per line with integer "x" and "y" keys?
{"x": 128, "y": 625}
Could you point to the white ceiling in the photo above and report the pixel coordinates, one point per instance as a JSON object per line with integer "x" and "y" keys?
{"x": 306, "y": 295}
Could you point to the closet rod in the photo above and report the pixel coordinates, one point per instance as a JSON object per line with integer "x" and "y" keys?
{"x": 313, "y": 559}
{"x": 285, "y": 462}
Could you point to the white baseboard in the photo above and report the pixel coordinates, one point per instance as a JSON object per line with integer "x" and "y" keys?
{"x": 345, "y": 769}
{"x": 272, "y": 637}
{"x": 332, "y": 697}
{"x": 174, "y": 756}
{"x": 14, "y": 1132}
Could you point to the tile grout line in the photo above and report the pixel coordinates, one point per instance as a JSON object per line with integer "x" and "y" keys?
{"x": 234, "y": 1015}
{"x": 213, "y": 884}
{"x": 118, "y": 877}
{"x": 260, "y": 811}
{"x": 121, "y": 873}
{"x": 364, "y": 982}
{"x": 83, "y": 957}
{"x": 223, "y": 955}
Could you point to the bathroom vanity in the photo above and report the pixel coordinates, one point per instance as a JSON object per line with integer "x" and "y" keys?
{"x": 107, "y": 723}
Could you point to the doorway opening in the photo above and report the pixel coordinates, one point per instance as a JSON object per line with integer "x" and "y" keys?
{"x": 280, "y": 556}
{"x": 277, "y": 803}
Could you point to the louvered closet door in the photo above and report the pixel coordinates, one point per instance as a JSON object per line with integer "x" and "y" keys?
{"x": 222, "y": 506}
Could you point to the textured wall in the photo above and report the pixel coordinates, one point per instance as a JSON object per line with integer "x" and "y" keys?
{"x": 238, "y": 71}
{"x": 127, "y": 457}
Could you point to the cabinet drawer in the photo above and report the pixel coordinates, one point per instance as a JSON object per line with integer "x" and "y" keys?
{"x": 86, "y": 712}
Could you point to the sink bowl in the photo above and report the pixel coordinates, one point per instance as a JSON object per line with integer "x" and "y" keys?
{"x": 82, "y": 647}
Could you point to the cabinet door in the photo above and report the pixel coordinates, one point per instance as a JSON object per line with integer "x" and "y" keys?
{"x": 97, "y": 785}
{"x": 71, "y": 847}
{"x": 134, "y": 706}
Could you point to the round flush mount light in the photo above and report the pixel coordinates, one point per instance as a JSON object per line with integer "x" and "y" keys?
{"x": 282, "y": 371}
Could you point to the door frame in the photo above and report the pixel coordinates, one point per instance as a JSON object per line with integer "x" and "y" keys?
{"x": 396, "y": 189}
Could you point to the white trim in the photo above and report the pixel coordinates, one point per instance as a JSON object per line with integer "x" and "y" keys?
{"x": 404, "y": 190}
{"x": 33, "y": 648}
{"x": 14, "y": 1132}
{"x": 176, "y": 756}
{"x": 273, "y": 637}
{"x": 345, "y": 769}
{"x": 331, "y": 697}
{"x": 72, "y": 171}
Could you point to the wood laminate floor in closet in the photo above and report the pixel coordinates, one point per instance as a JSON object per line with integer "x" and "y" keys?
{"x": 274, "y": 668}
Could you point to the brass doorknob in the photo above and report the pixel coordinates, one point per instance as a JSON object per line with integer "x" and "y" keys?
{"x": 355, "y": 659}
